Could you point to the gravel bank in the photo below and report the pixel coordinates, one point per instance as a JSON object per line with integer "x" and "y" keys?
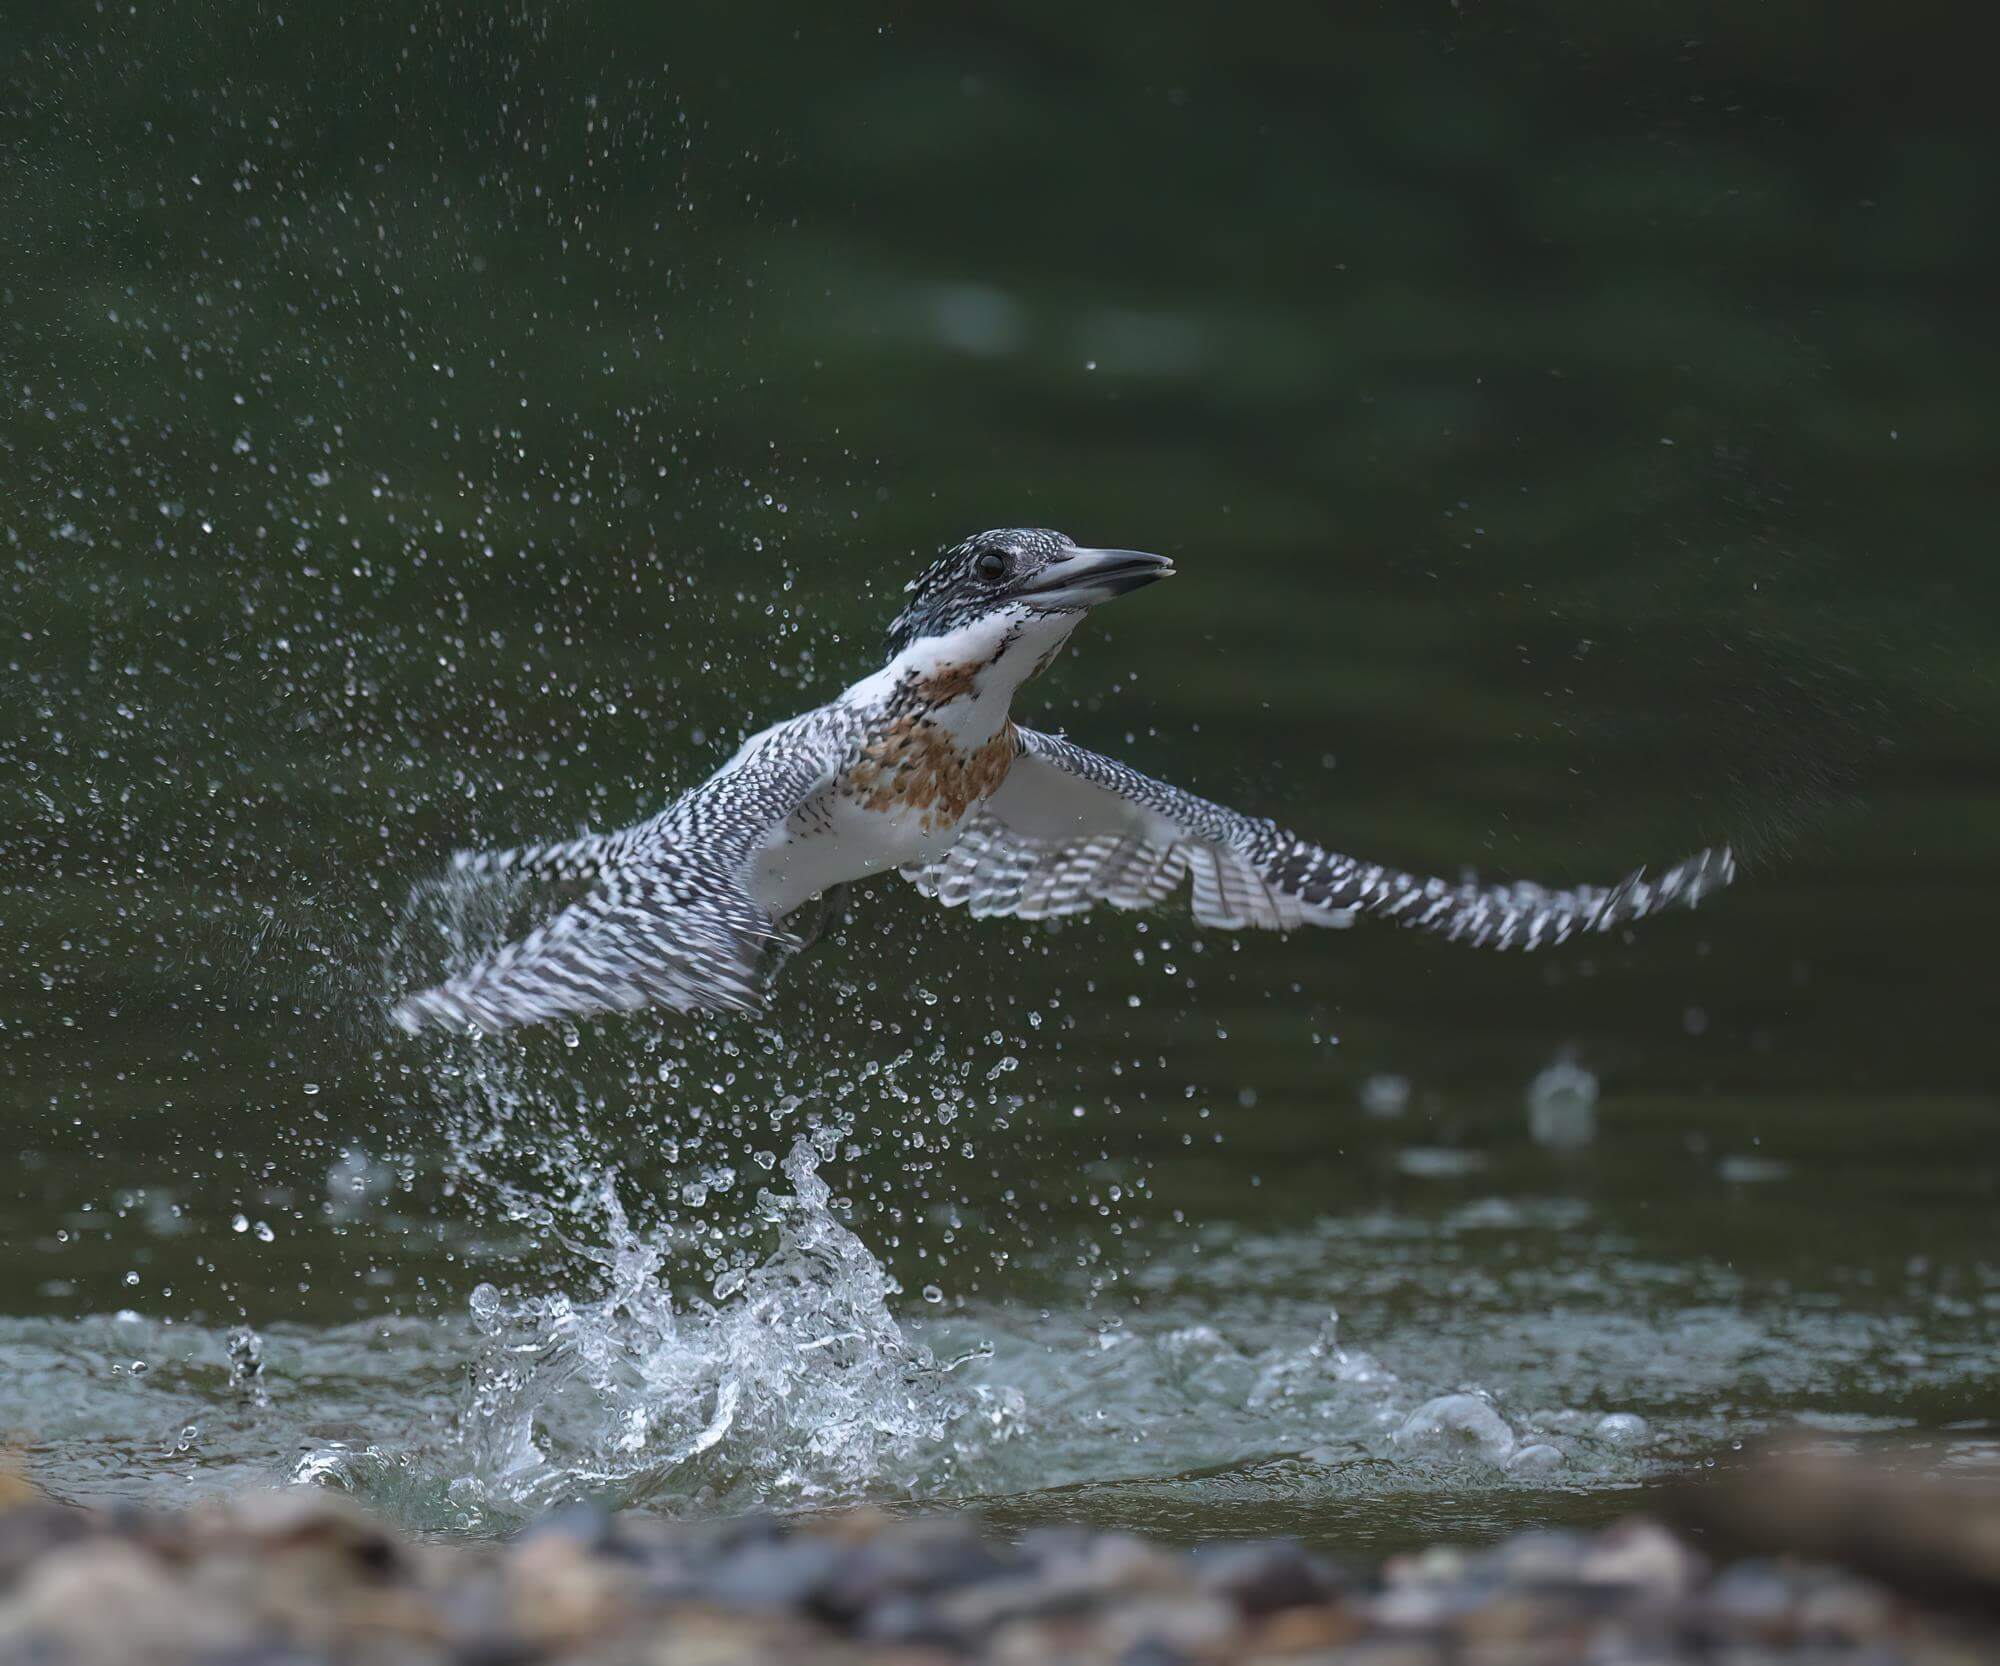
{"x": 301, "y": 1576}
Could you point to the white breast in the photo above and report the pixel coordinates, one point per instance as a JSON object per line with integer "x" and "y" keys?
{"x": 832, "y": 840}
{"x": 904, "y": 795}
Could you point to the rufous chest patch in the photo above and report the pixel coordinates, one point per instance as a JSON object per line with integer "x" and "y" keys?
{"x": 916, "y": 764}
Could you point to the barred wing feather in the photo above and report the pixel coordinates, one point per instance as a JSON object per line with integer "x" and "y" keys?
{"x": 1069, "y": 829}
{"x": 669, "y": 920}
{"x": 637, "y": 940}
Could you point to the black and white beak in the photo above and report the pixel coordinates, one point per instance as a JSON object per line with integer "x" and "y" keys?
{"x": 1083, "y": 578}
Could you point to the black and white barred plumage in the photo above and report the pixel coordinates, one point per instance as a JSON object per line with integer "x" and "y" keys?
{"x": 668, "y": 920}
{"x": 920, "y": 768}
{"x": 1071, "y": 828}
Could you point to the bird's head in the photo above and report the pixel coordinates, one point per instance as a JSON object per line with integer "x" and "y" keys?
{"x": 1021, "y": 586}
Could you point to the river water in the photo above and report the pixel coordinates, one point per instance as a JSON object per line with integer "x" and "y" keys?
{"x": 443, "y": 433}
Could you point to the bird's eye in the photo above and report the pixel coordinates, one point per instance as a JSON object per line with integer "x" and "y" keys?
{"x": 991, "y": 565}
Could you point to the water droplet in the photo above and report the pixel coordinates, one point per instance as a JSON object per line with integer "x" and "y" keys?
{"x": 1622, "y": 1426}
{"x": 1562, "y": 1106}
{"x": 1385, "y": 1095}
{"x": 1458, "y": 1422}
{"x": 1538, "y": 1459}
{"x": 246, "y": 1363}
{"x": 933, "y": 1294}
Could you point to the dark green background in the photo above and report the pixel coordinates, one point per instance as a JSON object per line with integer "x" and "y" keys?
{"x": 434, "y": 425}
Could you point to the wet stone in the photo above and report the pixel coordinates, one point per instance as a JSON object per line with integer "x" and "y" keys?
{"x": 307, "y": 1578}
{"x": 1439, "y": 1565}
{"x": 1151, "y": 1651}
{"x": 31, "y": 1530}
{"x": 1066, "y": 1572}
{"x": 982, "y": 1608}
{"x": 1263, "y": 1577}
{"x": 1306, "y": 1631}
{"x": 910, "y": 1620}
{"x": 1752, "y": 1599}
{"x": 1117, "y": 1561}
{"x": 106, "y": 1599}
{"x": 899, "y": 1565}
{"x": 1835, "y": 1609}
{"x": 1552, "y": 1556}
{"x": 588, "y": 1525}
{"x": 709, "y": 1543}
{"x": 560, "y": 1592}
{"x": 1049, "y": 1547}
{"x": 477, "y": 1614}
{"x": 1187, "y": 1626}
{"x": 301, "y": 1520}
{"x": 787, "y": 1575}
{"x": 1642, "y": 1554}
{"x": 496, "y": 1651}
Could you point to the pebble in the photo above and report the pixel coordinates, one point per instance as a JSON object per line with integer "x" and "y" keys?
{"x": 303, "y": 1577}
{"x": 31, "y": 1530}
{"x": 1184, "y": 1626}
{"x": 796, "y": 1573}
{"x": 1753, "y": 1598}
{"x": 1643, "y": 1555}
{"x": 1264, "y": 1576}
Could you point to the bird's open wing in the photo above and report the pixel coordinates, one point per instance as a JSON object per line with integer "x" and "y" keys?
{"x": 1070, "y": 828}
{"x": 668, "y": 921}
{"x": 651, "y": 935}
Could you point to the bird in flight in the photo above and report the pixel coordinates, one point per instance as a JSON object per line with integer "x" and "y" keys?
{"x": 920, "y": 767}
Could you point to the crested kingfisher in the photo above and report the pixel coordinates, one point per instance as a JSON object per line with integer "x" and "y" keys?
{"x": 921, "y": 768}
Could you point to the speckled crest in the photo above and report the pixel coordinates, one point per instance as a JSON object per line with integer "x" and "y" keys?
{"x": 950, "y": 591}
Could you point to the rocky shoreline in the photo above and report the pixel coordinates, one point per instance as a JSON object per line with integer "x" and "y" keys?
{"x": 302, "y": 1576}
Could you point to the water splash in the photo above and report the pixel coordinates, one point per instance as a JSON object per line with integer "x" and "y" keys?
{"x": 791, "y": 1381}
{"x": 655, "y": 1332}
{"x": 657, "y": 1339}
{"x": 246, "y": 1366}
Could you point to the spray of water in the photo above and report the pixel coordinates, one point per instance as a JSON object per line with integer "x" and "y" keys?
{"x": 680, "y": 1347}
{"x": 652, "y": 1330}
{"x": 789, "y": 1381}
